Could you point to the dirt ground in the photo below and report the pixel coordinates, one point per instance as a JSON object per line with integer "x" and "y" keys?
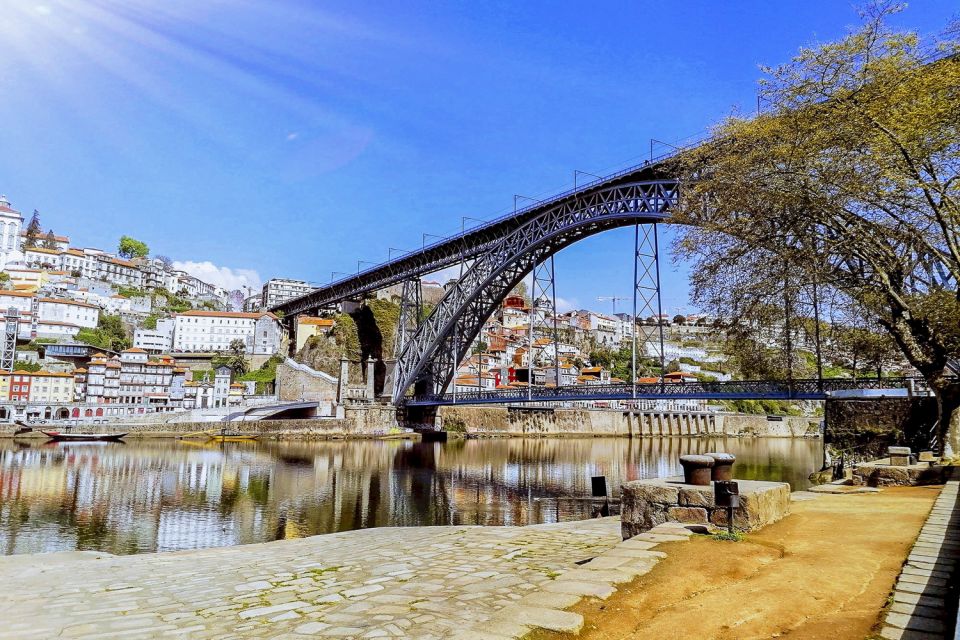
{"x": 825, "y": 571}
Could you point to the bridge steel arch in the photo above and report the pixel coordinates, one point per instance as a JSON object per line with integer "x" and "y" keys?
{"x": 428, "y": 360}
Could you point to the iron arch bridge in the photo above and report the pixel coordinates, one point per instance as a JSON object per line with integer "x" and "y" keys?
{"x": 500, "y": 253}
{"x": 429, "y": 358}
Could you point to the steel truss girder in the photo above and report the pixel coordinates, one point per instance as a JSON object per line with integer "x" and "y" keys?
{"x": 428, "y": 360}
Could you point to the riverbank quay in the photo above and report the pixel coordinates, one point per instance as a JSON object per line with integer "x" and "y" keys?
{"x": 825, "y": 571}
{"x": 416, "y": 582}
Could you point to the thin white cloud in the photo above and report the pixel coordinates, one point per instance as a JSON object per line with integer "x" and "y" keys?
{"x": 566, "y": 304}
{"x": 225, "y": 277}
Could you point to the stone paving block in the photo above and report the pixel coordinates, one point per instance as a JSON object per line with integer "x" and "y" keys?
{"x": 918, "y": 599}
{"x": 916, "y": 610}
{"x": 549, "y": 600}
{"x": 915, "y": 623}
{"x": 894, "y": 633}
{"x": 580, "y": 588}
{"x": 550, "y": 619}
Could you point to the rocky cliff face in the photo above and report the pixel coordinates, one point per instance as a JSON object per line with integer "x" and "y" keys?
{"x": 368, "y": 331}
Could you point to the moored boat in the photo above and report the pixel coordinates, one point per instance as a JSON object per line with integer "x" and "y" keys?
{"x": 82, "y": 437}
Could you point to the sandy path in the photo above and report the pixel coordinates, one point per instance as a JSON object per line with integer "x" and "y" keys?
{"x": 825, "y": 571}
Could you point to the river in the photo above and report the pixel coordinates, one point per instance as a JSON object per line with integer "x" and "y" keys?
{"x": 164, "y": 495}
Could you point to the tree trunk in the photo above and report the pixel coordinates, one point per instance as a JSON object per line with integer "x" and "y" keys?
{"x": 948, "y": 414}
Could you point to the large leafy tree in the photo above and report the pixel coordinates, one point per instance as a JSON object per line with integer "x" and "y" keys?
{"x": 848, "y": 182}
{"x": 132, "y": 248}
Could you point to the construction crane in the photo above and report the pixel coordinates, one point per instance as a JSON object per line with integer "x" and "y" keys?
{"x": 612, "y": 299}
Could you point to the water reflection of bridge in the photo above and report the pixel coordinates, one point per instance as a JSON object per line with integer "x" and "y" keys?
{"x": 163, "y": 495}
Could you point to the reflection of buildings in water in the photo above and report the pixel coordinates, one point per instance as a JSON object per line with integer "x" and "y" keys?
{"x": 164, "y": 495}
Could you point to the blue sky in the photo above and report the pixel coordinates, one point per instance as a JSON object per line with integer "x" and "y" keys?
{"x": 287, "y": 138}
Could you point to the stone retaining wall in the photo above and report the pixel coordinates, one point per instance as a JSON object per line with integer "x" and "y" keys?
{"x": 363, "y": 422}
{"x": 508, "y": 421}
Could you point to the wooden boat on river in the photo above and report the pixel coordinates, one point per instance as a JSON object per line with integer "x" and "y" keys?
{"x": 234, "y": 437}
{"x": 83, "y": 437}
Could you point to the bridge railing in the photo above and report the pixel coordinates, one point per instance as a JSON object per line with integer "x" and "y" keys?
{"x": 807, "y": 388}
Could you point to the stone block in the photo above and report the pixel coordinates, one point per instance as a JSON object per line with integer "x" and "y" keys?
{"x": 927, "y": 456}
{"x": 659, "y": 493}
{"x": 696, "y": 497}
{"x": 761, "y": 503}
{"x": 688, "y": 515}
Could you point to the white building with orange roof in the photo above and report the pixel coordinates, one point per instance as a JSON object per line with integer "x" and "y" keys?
{"x": 211, "y": 331}
{"x": 19, "y": 300}
{"x": 42, "y": 257}
{"x": 82, "y": 314}
{"x": 118, "y": 271}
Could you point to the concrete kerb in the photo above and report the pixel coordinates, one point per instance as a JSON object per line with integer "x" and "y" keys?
{"x": 925, "y": 597}
{"x": 596, "y": 578}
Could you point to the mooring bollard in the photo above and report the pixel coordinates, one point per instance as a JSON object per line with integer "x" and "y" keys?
{"x": 722, "y": 465}
{"x": 726, "y": 493}
{"x": 696, "y": 469}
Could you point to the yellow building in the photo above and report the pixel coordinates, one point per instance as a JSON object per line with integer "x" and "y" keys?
{"x": 47, "y": 386}
{"x": 307, "y": 327}
{"x": 4, "y": 384}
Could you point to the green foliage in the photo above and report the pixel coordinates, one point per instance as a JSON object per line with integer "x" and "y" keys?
{"x": 4, "y": 277}
{"x": 34, "y": 231}
{"x": 235, "y": 358}
{"x": 480, "y": 347}
{"x": 620, "y": 362}
{"x": 132, "y": 248}
{"x": 174, "y": 303}
{"x": 387, "y": 316}
{"x": 50, "y": 241}
{"x": 265, "y": 375}
{"x": 130, "y": 292}
{"x": 23, "y": 365}
{"x": 345, "y": 334}
{"x": 762, "y": 407}
{"x": 109, "y": 334}
{"x": 150, "y": 322}
{"x": 726, "y": 536}
{"x": 521, "y": 290}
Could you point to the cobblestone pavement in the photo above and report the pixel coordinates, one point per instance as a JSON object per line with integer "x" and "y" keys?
{"x": 423, "y": 582}
{"x": 924, "y": 599}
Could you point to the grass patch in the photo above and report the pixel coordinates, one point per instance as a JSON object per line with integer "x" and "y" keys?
{"x": 726, "y": 536}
